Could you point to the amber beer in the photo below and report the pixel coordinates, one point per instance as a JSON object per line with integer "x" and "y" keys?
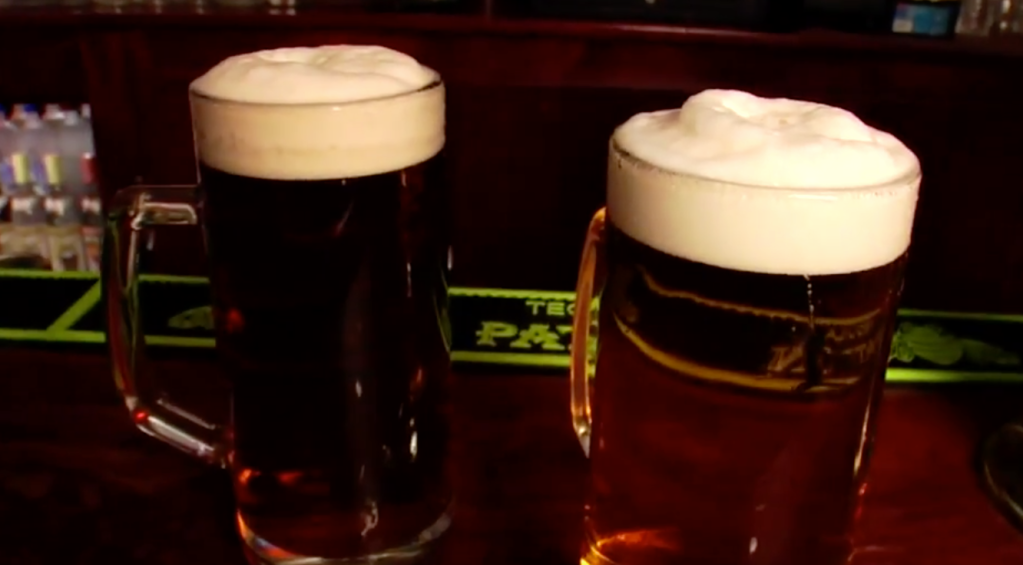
{"x": 737, "y": 377}
{"x": 324, "y": 224}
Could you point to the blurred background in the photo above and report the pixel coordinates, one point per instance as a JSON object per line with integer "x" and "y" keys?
{"x": 535, "y": 88}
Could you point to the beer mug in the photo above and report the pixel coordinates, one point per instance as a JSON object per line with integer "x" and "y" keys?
{"x": 320, "y": 201}
{"x": 736, "y": 302}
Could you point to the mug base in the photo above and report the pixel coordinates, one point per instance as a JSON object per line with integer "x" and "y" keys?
{"x": 1002, "y": 470}
{"x": 259, "y": 551}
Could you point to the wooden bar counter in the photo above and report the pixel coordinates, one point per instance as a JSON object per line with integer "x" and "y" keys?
{"x": 79, "y": 485}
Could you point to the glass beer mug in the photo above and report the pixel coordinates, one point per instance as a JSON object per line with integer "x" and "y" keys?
{"x": 735, "y": 307}
{"x": 320, "y": 202}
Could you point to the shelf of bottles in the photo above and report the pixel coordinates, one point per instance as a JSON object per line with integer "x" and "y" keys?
{"x": 51, "y": 215}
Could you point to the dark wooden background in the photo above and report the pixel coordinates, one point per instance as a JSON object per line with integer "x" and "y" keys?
{"x": 532, "y": 103}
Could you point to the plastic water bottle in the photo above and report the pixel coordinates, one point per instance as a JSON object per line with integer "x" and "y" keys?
{"x": 6, "y": 180}
{"x": 28, "y": 236}
{"x": 78, "y": 150}
{"x": 63, "y": 207}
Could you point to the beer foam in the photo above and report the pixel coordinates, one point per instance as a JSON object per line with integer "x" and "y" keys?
{"x": 763, "y": 185}
{"x": 312, "y": 113}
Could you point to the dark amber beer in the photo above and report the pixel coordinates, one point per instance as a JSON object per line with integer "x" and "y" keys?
{"x": 321, "y": 202}
{"x": 743, "y": 331}
{"x": 324, "y": 228}
{"x": 329, "y": 322}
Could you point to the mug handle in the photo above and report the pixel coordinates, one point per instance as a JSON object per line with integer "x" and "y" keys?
{"x": 133, "y": 212}
{"x": 583, "y": 365}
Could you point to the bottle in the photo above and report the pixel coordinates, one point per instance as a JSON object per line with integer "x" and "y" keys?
{"x": 81, "y": 148}
{"x": 92, "y": 228}
{"x": 63, "y": 206}
{"x": 19, "y": 113}
{"x": 72, "y": 142}
{"x": 53, "y": 114}
{"x": 6, "y": 180}
{"x": 36, "y": 142}
{"x": 79, "y": 242}
{"x": 27, "y": 236}
{"x": 977, "y": 17}
{"x": 48, "y": 149}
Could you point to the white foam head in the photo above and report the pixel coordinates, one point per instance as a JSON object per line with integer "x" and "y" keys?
{"x": 311, "y": 113}
{"x": 763, "y": 185}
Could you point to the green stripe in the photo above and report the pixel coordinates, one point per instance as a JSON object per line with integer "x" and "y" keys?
{"x": 908, "y": 312}
{"x": 84, "y": 275}
{"x": 33, "y": 274}
{"x": 180, "y": 279}
{"x": 178, "y": 341}
{"x": 64, "y": 336}
{"x": 510, "y": 293}
{"x": 531, "y": 359}
{"x": 80, "y": 336}
{"x": 80, "y": 308}
{"x": 902, "y": 375}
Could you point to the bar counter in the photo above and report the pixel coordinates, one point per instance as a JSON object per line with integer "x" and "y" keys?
{"x": 79, "y": 485}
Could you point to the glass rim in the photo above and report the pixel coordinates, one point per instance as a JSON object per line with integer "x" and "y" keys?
{"x": 435, "y": 83}
{"x": 914, "y": 176}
